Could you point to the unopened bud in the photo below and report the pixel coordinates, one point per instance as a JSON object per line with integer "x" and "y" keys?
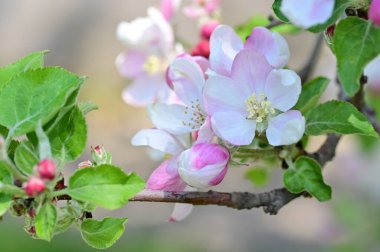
{"x": 34, "y": 186}
{"x": 100, "y": 156}
{"x": 374, "y": 12}
{"x": 46, "y": 169}
{"x": 208, "y": 28}
{"x": 202, "y": 49}
{"x": 32, "y": 212}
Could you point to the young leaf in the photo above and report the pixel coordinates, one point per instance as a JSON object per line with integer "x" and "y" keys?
{"x": 338, "y": 117}
{"x": 68, "y": 135}
{"x": 363, "y": 46}
{"x": 46, "y": 220}
{"x": 32, "y": 61}
{"x": 277, "y": 10}
{"x": 25, "y": 157}
{"x": 258, "y": 176}
{"x": 87, "y": 106}
{"x": 244, "y": 30}
{"x": 306, "y": 175}
{"x": 102, "y": 234}
{"x": 105, "y": 185}
{"x": 35, "y": 95}
{"x": 44, "y": 148}
{"x": 5, "y": 178}
{"x": 311, "y": 93}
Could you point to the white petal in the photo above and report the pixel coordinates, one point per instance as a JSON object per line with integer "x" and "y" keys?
{"x": 180, "y": 212}
{"x": 233, "y": 127}
{"x": 172, "y": 118}
{"x": 159, "y": 140}
{"x": 283, "y": 88}
{"x": 224, "y": 45}
{"x": 285, "y": 129}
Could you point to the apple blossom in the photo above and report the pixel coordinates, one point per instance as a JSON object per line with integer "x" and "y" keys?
{"x": 204, "y": 165}
{"x": 34, "y": 186}
{"x": 149, "y": 49}
{"x": 168, "y": 7}
{"x": 202, "y": 8}
{"x": 46, "y": 169}
{"x": 374, "y": 12}
{"x": 255, "y": 97}
{"x": 225, "y": 44}
{"x": 307, "y": 13}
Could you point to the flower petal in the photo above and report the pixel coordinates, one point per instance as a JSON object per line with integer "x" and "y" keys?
{"x": 180, "y": 212}
{"x": 146, "y": 90}
{"x": 175, "y": 119}
{"x": 271, "y": 44}
{"x": 158, "y": 140}
{"x": 251, "y": 69}
{"x": 283, "y": 88}
{"x": 224, "y": 45}
{"x": 131, "y": 64}
{"x": 205, "y": 133}
{"x": 285, "y": 129}
{"x": 233, "y": 127}
{"x": 307, "y": 13}
{"x": 222, "y": 93}
{"x": 187, "y": 79}
{"x": 166, "y": 177}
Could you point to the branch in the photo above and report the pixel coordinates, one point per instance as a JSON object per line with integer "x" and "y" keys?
{"x": 308, "y": 68}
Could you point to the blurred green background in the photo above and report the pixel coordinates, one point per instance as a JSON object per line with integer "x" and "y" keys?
{"x": 81, "y": 37}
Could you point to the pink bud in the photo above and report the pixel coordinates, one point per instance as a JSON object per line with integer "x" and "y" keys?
{"x": 34, "y": 186}
{"x": 202, "y": 49}
{"x": 374, "y": 12}
{"x": 85, "y": 164}
{"x": 46, "y": 169}
{"x": 32, "y": 212}
{"x": 204, "y": 165}
{"x": 208, "y": 28}
{"x": 166, "y": 177}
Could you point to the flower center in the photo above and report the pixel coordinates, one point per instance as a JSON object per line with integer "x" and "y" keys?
{"x": 259, "y": 108}
{"x": 153, "y": 65}
{"x": 197, "y": 117}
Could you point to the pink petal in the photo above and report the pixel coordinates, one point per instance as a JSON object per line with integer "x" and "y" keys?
{"x": 180, "y": 212}
{"x": 374, "y": 12}
{"x": 285, "y": 129}
{"x": 205, "y": 133}
{"x": 271, "y": 44}
{"x": 158, "y": 140}
{"x": 283, "y": 88}
{"x": 187, "y": 79}
{"x": 250, "y": 68}
{"x": 222, "y": 93}
{"x": 166, "y": 177}
{"x": 168, "y": 7}
{"x": 233, "y": 127}
{"x": 146, "y": 90}
{"x": 131, "y": 64}
{"x": 224, "y": 45}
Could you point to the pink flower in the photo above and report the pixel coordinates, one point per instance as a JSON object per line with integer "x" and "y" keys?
{"x": 372, "y": 71}
{"x": 46, "y": 169}
{"x": 202, "y": 8}
{"x": 307, "y": 13}
{"x": 225, "y": 44}
{"x": 374, "y": 12}
{"x": 168, "y": 7}
{"x": 208, "y": 28}
{"x": 150, "y": 47}
{"x": 204, "y": 165}
{"x": 255, "y": 97}
{"x": 34, "y": 186}
{"x": 201, "y": 49}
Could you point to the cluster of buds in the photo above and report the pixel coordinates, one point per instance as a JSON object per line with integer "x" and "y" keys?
{"x": 203, "y": 46}
{"x": 46, "y": 171}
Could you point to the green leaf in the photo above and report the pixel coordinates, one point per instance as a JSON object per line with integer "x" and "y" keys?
{"x": 338, "y": 117}
{"x": 306, "y": 175}
{"x": 32, "y": 61}
{"x": 105, "y": 185}
{"x": 244, "y": 30}
{"x": 356, "y": 43}
{"x": 68, "y": 135}
{"x": 258, "y": 176}
{"x": 26, "y": 157}
{"x": 35, "y": 95}
{"x": 5, "y": 178}
{"x": 277, "y": 10}
{"x": 65, "y": 219}
{"x": 3, "y": 131}
{"x": 46, "y": 220}
{"x": 311, "y": 93}
{"x": 339, "y": 8}
{"x": 87, "y": 106}
{"x": 102, "y": 234}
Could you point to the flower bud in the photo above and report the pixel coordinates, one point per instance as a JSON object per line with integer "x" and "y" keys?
{"x": 204, "y": 165}
{"x": 374, "y": 12}
{"x": 85, "y": 164}
{"x": 46, "y": 169}
{"x": 208, "y": 28}
{"x": 100, "y": 156}
{"x": 202, "y": 49}
{"x": 34, "y": 186}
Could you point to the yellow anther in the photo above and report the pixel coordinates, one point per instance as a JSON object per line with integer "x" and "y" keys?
{"x": 258, "y": 109}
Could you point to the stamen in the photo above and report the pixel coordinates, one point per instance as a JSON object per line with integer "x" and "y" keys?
{"x": 259, "y": 108}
